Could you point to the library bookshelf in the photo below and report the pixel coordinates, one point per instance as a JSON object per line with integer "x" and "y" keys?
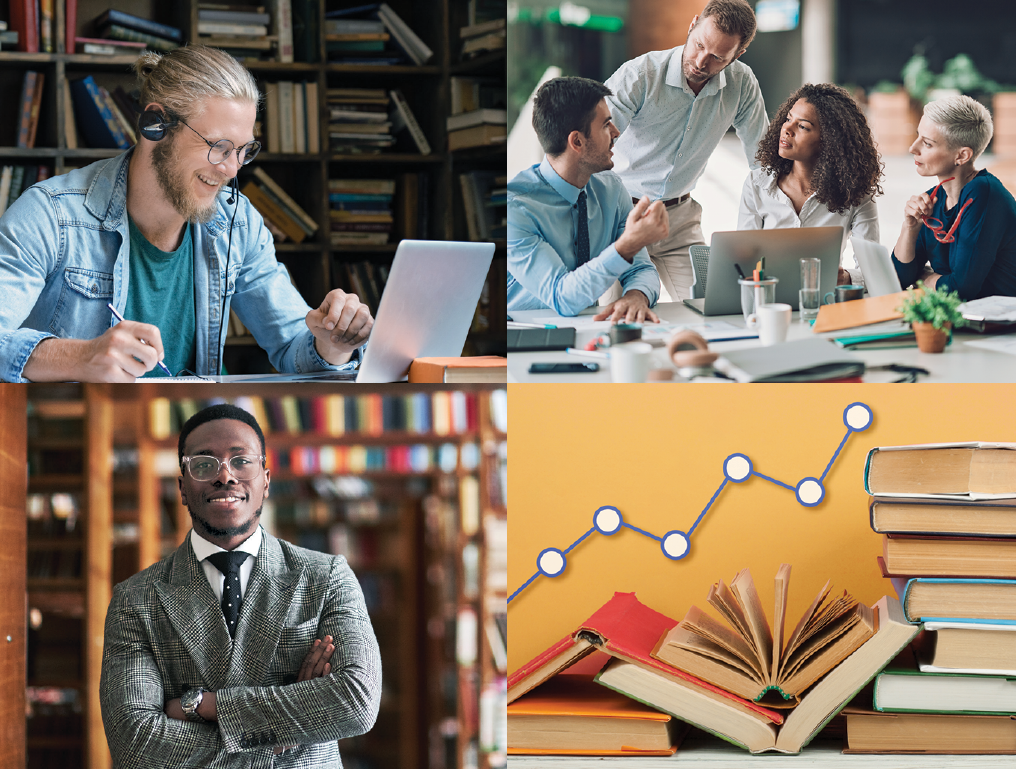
{"x": 399, "y": 494}
{"x": 315, "y": 264}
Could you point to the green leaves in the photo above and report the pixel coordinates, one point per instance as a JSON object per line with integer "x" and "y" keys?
{"x": 934, "y": 306}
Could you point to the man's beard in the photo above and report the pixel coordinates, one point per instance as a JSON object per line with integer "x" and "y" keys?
{"x": 205, "y": 527}
{"x": 175, "y": 185}
{"x": 688, "y": 75}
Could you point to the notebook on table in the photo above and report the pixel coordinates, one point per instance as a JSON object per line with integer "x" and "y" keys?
{"x": 803, "y": 360}
{"x": 540, "y": 339}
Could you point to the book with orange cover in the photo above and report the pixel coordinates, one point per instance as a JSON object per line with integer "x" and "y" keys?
{"x": 859, "y": 312}
{"x": 480, "y": 368}
{"x": 572, "y": 715}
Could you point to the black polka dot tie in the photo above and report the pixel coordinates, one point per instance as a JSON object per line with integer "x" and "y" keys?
{"x": 582, "y": 237}
{"x": 229, "y": 564}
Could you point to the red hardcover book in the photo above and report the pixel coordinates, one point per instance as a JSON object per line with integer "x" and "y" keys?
{"x": 71, "y": 19}
{"x": 24, "y": 20}
{"x": 627, "y": 629}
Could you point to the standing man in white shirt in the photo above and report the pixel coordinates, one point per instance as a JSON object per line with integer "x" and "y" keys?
{"x": 672, "y": 108}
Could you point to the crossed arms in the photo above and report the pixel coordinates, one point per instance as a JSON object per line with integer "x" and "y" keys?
{"x": 341, "y": 702}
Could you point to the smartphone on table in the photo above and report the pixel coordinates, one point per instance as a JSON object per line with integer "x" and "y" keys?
{"x": 563, "y": 368}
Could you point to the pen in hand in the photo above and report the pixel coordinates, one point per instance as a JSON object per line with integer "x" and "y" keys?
{"x": 120, "y": 317}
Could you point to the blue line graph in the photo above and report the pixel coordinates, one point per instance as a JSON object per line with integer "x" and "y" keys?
{"x": 737, "y": 468}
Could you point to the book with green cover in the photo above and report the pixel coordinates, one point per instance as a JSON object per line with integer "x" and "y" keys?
{"x": 903, "y": 688}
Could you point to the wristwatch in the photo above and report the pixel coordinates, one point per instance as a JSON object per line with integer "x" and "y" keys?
{"x": 190, "y": 701}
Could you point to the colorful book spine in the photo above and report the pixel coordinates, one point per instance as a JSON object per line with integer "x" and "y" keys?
{"x": 119, "y": 18}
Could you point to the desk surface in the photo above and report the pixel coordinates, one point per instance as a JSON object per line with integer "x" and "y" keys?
{"x": 959, "y": 362}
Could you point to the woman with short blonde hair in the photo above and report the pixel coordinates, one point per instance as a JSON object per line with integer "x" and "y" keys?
{"x": 961, "y": 234}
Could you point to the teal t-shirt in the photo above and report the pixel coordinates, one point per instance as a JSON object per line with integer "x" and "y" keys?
{"x": 161, "y": 292}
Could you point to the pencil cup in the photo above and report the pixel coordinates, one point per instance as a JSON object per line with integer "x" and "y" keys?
{"x": 755, "y": 293}
{"x": 629, "y": 362}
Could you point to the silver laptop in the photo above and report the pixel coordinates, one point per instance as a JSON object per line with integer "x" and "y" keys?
{"x": 782, "y": 248}
{"x": 876, "y": 265}
{"x": 425, "y": 311}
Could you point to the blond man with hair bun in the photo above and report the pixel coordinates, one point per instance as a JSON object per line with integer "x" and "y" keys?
{"x": 961, "y": 234}
{"x": 153, "y": 232}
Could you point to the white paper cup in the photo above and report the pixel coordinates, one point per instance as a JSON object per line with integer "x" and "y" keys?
{"x": 630, "y": 362}
{"x": 771, "y": 321}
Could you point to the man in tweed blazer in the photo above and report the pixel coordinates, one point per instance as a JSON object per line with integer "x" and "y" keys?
{"x": 300, "y": 668}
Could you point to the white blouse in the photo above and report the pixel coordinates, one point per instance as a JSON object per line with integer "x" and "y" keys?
{"x": 765, "y": 206}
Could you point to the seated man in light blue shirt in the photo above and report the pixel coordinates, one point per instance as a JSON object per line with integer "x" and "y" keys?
{"x": 672, "y": 108}
{"x": 572, "y": 229}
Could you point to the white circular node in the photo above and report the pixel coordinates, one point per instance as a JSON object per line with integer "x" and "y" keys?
{"x": 810, "y": 492}
{"x": 551, "y": 562}
{"x": 675, "y": 545}
{"x": 737, "y": 467}
{"x": 857, "y": 417}
{"x": 607, "y": 520}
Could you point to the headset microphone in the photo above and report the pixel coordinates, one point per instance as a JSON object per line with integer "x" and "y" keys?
{"x": 232, "y": 195}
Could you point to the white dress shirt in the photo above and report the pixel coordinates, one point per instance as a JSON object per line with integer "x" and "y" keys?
{"x": 764, "y": 206}
{"x": 203, "y": 548}
{"x": 667, "y": 132}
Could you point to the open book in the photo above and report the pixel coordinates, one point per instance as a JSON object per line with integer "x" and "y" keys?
{"x": 747, "y": 659}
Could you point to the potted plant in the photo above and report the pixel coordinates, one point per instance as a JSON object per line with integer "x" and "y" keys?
{"x": 932, "y": 313}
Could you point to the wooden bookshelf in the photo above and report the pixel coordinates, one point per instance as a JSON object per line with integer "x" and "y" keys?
{"x": 12, "y": 575}
{"x": 315, "y": 265}
{"x": 70, "y": 426}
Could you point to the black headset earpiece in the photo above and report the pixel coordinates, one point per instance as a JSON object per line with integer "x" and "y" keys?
{"x": 153, "y": 125}
{"x": 232, "y": 194}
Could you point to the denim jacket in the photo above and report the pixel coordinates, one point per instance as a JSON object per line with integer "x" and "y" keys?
{"x": 64, "y": 254}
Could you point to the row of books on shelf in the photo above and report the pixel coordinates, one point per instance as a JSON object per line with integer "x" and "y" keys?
{"x": 243, "y": 31}
{"x": 485, "y": 199}
{"x": 54, "y": 564}
{"x": 283, "y": 216}
{"x": 369, "y": 120}
{"x": 16, "y": 179}
{"x": 361, "y": 213}
{"x": 311, "y": 460}
{"x": 102, "y": 119}
{"x": 440, "y": 413}
{"x": 291, "y": 116}
{"x": 317, "y": 511}
{"x": 372, "y": 35}
{"x": 50, "y": 26}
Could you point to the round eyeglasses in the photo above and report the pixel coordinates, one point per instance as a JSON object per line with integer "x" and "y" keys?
{"x": 243, "y": 467}
{"x": 219, "y": 152}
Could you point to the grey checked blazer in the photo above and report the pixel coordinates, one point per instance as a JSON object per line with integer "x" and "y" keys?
{"x": 165, "y": 633}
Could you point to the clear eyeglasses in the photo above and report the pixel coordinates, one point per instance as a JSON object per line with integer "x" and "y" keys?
{"x": 243, "y": 467}
{"x": 218, "y": 152}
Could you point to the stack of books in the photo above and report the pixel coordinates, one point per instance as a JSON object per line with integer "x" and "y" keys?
{"x": 241, "y": 31}
{"x": 358, "y": 120}
{"x": 479, "y": 113}
{"x": 16, "y": 179}
{"x": 361, "y": 211}
{"x": 8, "y": 38}
{"x": 292, "y": 117}
{"x": 283, "y": 216}
{"x": 740, "y": 682}
{"x": 947, "y": 514}
{"x": 372, "y": 34}
{"x": 117, "y": 25}
{"x": 483, "y": 37}
{"x": 107, "y": 47}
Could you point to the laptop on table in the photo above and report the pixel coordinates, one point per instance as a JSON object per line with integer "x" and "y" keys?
{"x": 782, "y": 248}
{"x": 426, "y": 310}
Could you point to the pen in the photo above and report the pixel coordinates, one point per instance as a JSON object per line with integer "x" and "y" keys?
{"x": 516, "y": 324}
{"x": 587, "y": 353}
{"x": 740, "y": 273}
{"x": 120, "y": 317}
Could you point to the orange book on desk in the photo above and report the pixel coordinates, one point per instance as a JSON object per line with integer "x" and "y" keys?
{"x": 572, "y": 715}
{"x": 859, "y": 312}
{"x": 481, "y": 368}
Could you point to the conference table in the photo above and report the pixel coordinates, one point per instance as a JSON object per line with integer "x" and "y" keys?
{"x": 961, "y": 361}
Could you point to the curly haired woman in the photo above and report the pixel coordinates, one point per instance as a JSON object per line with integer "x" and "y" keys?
{"x": 819, "y": 168}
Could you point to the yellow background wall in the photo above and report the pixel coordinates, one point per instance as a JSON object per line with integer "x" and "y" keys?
{"x": 656, "y": 453}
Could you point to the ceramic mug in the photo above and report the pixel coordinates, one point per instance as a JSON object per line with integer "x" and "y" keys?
{"x": 772, "y": 322}
{"x": 843, "y": 294}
